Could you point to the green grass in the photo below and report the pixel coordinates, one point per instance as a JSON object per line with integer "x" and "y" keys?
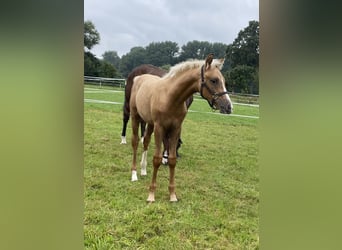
{"x": 217, "y": 183}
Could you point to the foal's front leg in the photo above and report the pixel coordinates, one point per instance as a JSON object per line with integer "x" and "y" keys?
{"x": 157, "y": 158}
{"x": 172, "y": 164}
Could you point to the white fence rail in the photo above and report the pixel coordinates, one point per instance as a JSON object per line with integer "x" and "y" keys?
{"x": 103, "y": 81}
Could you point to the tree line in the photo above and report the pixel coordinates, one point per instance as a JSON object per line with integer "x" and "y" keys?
{"x": 241, "y": 68}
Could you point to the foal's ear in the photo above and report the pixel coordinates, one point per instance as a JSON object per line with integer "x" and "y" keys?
{"x": 209, "y": 60}
{"x": 220, "y": 63}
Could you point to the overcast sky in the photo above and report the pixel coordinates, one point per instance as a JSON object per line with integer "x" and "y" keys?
{"x": 124, "y": 24}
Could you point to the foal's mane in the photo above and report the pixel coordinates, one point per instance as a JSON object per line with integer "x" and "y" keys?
{"x": 183, "y": 66}
{"x": 188, "y": 65}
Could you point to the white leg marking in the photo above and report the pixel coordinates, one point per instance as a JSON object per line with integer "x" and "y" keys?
{"x": 142, "y": 140}
{"x": 134, "y": 175}
{"x": 123, "y": 140}
{"x": 165, "y": 158}
{"x": 143, "y": 163}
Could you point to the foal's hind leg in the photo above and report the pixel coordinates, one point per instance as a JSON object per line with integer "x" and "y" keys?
{"x": 147, "y": 139}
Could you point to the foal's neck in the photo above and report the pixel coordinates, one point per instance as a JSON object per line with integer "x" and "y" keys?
{"x": 185, "y": 85}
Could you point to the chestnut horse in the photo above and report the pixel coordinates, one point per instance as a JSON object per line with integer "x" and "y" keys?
{"x": 139, "y": 70}
{"x": 160, "y": 102}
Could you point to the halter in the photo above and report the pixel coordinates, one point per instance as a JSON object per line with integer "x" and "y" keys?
{"x": 214, "y": 95}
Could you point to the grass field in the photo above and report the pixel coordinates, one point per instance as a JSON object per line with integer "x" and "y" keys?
{"x": 217, "y": 182}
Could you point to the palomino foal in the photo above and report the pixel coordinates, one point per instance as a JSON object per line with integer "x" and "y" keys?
{"x": 140, "y": 70}
{"x": 160, "y": 102}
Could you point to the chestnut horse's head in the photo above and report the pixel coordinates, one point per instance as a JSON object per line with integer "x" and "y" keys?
{"x": 213, "y": 87}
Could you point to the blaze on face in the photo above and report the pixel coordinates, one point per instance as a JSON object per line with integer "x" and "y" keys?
{"x": 213, "y": 86}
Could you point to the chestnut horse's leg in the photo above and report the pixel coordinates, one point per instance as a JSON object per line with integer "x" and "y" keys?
{"x": 142, "y": 130}
{"x": 124, "y": 122}
{"x": 173, "y": 141}
{"x": 166, "y": 150}
{"x": 146, "y": 142}
{"x": 135, "y": 142}
{"x": 157, "y": 158}
{"x": 123, "y": 133}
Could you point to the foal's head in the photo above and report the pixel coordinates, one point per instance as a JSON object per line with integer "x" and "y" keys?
{"x": 213, "y": 85}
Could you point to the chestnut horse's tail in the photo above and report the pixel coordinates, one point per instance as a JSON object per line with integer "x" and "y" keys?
{"x": 126, "y": 109}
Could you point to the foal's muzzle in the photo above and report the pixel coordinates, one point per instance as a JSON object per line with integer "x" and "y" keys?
{"x": 222, "y": 104}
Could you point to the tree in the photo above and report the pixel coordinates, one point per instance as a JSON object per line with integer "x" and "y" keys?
{"x": 245, "y": 48}
{"x": 243, "y": 79}
{"x": 91, "y": 64}
{"x": 107, "y": 70}
{"x": 156, "y": 53}
{"x": 91, "y": 35}
{"x": 95, "y": 67}
{"x": 219, "y": 50}
{"x": 112, "y": 58}
{"x": 161, "y": 53}
{"x": 167, "y": 53}
{"x": 200, "y": 49}
{"x": 134, "y": 58}
{"x": 195, "y": 50}
{"x": 242, "y": 59}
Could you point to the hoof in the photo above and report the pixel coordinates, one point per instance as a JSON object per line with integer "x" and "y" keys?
{"x": 134, "y": 176}
{"x": 123, "y": 140}
{"x": 173, "y": 198}
{"x": 143, "y": 172}
{"x": 150, "y": 198}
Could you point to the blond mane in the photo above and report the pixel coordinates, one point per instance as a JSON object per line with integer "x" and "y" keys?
{"x": 190, "y": 64}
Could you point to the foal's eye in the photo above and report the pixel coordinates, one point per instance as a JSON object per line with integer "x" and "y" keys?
{"x": 214, "y": 81}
